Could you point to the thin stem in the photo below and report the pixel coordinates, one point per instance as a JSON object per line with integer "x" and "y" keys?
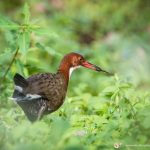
{"x": 11, "y": 63}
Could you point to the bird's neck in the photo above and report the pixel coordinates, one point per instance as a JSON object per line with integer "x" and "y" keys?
{"x": 64, "y": 69}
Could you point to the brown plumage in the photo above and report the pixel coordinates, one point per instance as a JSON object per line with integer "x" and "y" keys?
{"x": 44, "y": 93}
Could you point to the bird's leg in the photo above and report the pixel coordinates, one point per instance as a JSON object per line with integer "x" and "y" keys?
{"x": 43, "y": 108}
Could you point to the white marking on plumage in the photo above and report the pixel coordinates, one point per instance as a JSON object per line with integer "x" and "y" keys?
{"x": 32, "y": 96}
{"x": 27, "y": 97}
{"x": 12, "y": 98}
{"x": 18, "y": 88}
{"x": 15, "y": 99}
{"x": 72, "y": 69}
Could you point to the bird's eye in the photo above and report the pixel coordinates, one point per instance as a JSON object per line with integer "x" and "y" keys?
{"x": 80, "y": 59}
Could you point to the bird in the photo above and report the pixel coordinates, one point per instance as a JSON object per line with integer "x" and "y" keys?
{"x": 43, "y": 93}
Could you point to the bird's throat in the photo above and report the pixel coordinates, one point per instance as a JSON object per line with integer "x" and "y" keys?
{"x": 71, "y": 70}
{"x": 67, "y": 72}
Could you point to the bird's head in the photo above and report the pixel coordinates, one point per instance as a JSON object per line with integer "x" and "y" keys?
{"x": 73, "y": 61}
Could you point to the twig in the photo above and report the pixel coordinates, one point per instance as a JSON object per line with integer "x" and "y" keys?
{"x": 13, "y": 59}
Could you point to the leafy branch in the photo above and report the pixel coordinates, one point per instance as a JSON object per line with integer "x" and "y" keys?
{"x": 21, "y": 31}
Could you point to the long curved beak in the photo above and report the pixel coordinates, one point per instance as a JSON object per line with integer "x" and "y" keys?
{"x": 86, "y": 64}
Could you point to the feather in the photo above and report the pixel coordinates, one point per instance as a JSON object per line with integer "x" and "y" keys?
{"x": 20, "y": 81}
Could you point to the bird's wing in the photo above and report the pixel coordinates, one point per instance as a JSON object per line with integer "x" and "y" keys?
{"x": 41, "y": 84}
{"x": 34, "y": 87}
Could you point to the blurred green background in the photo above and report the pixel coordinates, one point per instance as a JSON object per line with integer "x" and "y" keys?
{"x": 99, "y": 112}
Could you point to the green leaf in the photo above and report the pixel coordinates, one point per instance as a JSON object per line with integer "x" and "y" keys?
{"x": 48, "y": 49}
{"x": 7, "y": 24}
{"x": 19, "y": 66}
{"x": 40, "y": 46}
{"x": 26, "y": 14}
{"x": 45, "y": 32}
{"x": 5, "y": 56}
{"x": 24, "y": 41}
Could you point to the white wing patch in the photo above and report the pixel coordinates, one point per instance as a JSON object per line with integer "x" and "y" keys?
{"x": 32, "y": 96}
{"x": 24, "y": 97}
{"x": 27, "y": 97}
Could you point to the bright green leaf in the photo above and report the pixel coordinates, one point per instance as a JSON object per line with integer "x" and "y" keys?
{"x": 5, "y": 23}
{"x": 26, "y": 14}
{"x": 24, "y": 41}
{"x": 45, "y": 32}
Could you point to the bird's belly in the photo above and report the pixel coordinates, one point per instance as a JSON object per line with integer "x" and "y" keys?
{"x": 55, "y": 98}
{"x": 55, "y": 103}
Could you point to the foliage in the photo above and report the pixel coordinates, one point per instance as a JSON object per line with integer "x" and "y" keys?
{"x": 99, "y": 112}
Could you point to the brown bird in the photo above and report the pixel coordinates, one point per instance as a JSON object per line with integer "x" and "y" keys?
{"x": 44, "y": 93}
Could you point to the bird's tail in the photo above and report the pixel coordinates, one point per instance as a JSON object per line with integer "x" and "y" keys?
{"x": 20, "y": 84}
{"x": 20, "y": 81}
